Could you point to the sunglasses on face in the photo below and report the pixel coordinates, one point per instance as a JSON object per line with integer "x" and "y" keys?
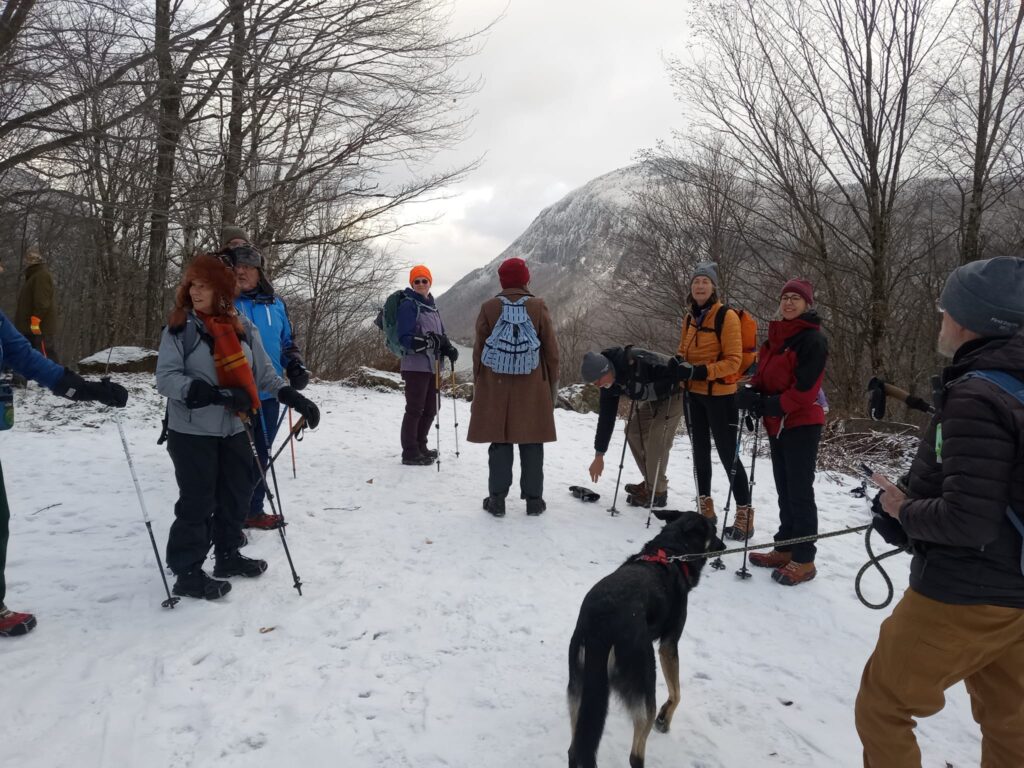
{"x": 421, "y": 281}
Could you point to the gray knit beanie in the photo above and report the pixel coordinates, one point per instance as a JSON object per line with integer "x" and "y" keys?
{"x": 987, "y": 297}
{"x": 708, "y": 269}
{"x": 231, "y": 232}
{"x": 595, "y": 365}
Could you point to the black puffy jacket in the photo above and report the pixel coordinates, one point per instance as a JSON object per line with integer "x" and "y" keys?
{"x": 966, "y": 550}
{"x": 639, "y": 375}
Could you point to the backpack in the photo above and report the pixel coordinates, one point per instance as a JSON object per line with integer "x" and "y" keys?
{"x": 513, "y": 346}
{"x": 387, "y": 321}
{"x": 1015, "y": 388}
{"x": 748, "y": 336}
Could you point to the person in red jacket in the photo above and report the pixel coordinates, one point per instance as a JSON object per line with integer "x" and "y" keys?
{"x": 784, "y": 392}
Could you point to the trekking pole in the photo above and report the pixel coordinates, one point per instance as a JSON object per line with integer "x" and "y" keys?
{"x": 743, "y": 573}
{"x": 688, "y": 417}
{"x": 170, "y": 602}
{"x": 294, "y": 475}
{"x": 455, "y": 414}
{"x": 622, "y": 459}
{"x": 653, "y": 489}
{"x": 717, "y": 563}
{"x": 293, "y": 434}
{"x": 247, "y": 426}
{"x": 437, "y": 408}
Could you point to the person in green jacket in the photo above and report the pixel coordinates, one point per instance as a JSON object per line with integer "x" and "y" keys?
{"x": 36, "y": 315}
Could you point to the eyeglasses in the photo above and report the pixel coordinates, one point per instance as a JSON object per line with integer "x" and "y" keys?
{"x": 791, "y": 297}
{"x": 421, "y": 281}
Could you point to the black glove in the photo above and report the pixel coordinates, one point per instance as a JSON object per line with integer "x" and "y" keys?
{"x": 749, "y": 399}
{"x": 429, "y": 343}
{"x": 888, "y": 527}
{"x": 290, "y": 397}
{"x": 700, "y": 373}
{"x": 772, "y": 406}
{"x": 450, "y": 352}
{"x": 74, "y": 387}
{"x": 680, "y": 370}
{"x": 201, "y": 394}
{"x": 297, "y": 374}
{"x": 234, "y": 399}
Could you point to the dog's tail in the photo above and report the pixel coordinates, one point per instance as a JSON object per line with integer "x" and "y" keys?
{"x": 592, "y": 691}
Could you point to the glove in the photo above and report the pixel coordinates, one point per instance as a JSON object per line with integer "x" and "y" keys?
{"x": 74, "y": 387}
{"x": 749, "y": 399}
{"x": 450, "y": 352}
{"x": 772, "y": 406}
{"x": 700, "y": 373}
{"x": 888, "y": 527}
{"x": 290, "y": 397}
{"x": 429, "y": 343}
{"x": 234, "y": 399}
{"x": 297, "y": 374}
{"x": 748, "y": 422}
{"x": 681, "y": 370}
{"x": 201, "y": 394}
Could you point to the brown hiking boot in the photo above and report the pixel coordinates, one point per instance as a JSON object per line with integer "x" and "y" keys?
{"x": 707, "y": 508}
{"x": 643, "y": 499}
{"x": 773, "y": 559}
{"x": 743, "y": 527}
{"x": 640, "y": 487}
{"x": 793, "y": 573}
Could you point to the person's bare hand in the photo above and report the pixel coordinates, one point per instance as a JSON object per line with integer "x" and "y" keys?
{"x": 596, "y": 468}
{"x": 892, "y": 497}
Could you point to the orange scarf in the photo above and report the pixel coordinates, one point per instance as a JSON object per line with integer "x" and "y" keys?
{"x": 233, "y": 368}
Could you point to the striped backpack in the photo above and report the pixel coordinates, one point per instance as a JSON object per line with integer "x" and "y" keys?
{"x": 513, "y": 346}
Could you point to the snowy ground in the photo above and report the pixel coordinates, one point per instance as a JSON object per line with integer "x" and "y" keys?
{"x": 429, "y": 634}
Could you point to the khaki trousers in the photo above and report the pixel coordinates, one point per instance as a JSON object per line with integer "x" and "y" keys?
{"x": 650, "y": 435}
{"x": 925, "y": 647}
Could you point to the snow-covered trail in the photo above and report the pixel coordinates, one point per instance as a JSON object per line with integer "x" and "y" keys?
{"x": 429, "y": 634}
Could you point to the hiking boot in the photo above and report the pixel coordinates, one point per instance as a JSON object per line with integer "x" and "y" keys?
{"x": 263, "y": 521}
{"x": 707, "y": 508}
{"x": 773, "y": 559}
{"x": 13, "y": 624}
{"x": 640, "y": 487}
{"x": 535, "y": 507}
{"x": 198, "y": 584}
{"x": 418, "y": 461}
{"x": 793, "y": 573}
{"x": 495, "y": 505}
{"x": 644, "y": 499}
{"x": 743, "y": 527}
{"x": 430, "y": 453}
{"x": 236, "y": 564}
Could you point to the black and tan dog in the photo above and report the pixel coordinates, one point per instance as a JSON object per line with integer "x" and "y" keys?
{"x": 621, "y": 616}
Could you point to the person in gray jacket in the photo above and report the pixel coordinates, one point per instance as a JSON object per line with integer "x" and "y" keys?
{"x": 211, "y": 367}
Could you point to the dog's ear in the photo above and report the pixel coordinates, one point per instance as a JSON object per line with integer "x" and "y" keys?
{"x": 668, "y": 515}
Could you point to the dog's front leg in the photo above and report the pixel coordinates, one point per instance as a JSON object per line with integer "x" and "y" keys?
{"x": 669, "y": 654}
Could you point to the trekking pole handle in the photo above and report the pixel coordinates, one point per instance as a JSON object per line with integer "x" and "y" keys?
{"x": 911, "y": 401}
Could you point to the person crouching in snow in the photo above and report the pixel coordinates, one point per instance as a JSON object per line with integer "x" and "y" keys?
{"x": 785, "y": 392}
{"x": 267, "y": 311}
{"x": 211, "y": 367}
{"x": 17, "y": 354}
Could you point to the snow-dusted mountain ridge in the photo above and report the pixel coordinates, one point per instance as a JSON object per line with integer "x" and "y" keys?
{"x": 570, "y": 247}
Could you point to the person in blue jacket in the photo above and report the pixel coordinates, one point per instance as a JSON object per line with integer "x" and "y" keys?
{"x": 17, "y": 354}
{"x": 267, "y": 311}
{"x": 421, "y": 334}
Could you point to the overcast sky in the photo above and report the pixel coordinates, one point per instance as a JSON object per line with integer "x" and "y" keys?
{"x": 571, "y": 89}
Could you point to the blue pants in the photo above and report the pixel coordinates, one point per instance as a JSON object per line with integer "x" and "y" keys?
{"x": 269, "y": 412}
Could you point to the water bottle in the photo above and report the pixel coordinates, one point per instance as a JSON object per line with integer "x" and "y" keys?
{"x": 6, "y": 404}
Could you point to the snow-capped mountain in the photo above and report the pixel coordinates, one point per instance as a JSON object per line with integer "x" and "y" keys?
{"x": 571, "y": 249}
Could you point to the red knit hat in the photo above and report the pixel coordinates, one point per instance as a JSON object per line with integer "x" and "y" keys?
{"x": 420, "y": 271}
{"x": 801, "y": 288}
{"x": 513, "y": 273}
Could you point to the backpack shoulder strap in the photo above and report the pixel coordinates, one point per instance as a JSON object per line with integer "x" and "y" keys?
{"x": 720, "y": 321}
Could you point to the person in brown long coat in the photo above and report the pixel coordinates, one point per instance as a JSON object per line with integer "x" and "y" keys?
{"x": 514, "y": 409}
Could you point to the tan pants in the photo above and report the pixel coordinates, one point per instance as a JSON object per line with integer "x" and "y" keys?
{"x": 650, "y": 436}
{"x": 925, "y": 647}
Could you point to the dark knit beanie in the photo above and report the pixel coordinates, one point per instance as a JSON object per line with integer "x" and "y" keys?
{"x": 594, "y": 366}
{"x": 513, "y": 273}
{"x": 801, "y": 288}
{"x": 987, "y": 297}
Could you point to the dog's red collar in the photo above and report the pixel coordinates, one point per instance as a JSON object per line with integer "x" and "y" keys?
{"x": 662, "y": 557}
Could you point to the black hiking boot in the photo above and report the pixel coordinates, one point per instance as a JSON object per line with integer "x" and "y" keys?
{"x": 198, "y": 584}
{"x": 418, "y": 461}
{"x": 495, "y": 505}
{"x": 237, "y": 564}
{"x": 430, "y": 453}
{"x": 535, "y": 507}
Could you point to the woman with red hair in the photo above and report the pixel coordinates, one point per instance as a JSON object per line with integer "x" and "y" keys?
{"x": 211, "y": 368}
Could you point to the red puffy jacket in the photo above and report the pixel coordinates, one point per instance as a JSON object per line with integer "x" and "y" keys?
{"x": 791, "y": 365}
